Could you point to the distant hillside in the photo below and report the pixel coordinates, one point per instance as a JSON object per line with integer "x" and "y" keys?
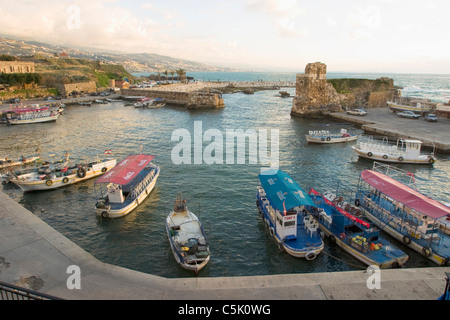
{"x": 132, "y": 62}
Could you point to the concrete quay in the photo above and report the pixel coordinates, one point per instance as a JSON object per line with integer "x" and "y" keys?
{"x": 35, "y": 256}
{"x": 382, "y": 122}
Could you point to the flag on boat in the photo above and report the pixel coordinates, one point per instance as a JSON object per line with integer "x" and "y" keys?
{"x": 108, "y": 151}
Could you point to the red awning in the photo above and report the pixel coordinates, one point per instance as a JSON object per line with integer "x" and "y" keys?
{"x": 126, "y": 170}
{"x": 342, "y": 211}
{"x": 405, "y": 195}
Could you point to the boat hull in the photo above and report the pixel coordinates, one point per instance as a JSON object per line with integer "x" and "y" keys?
{"x": 390, "y": 158}
{"x": 34, "y": 120}
{"x": 36, "y": 184}
{"x": 325, "y": 140}
{"x": 186, "y": 261}
{"x": 121, "y": 211}
{"x": 401, "y": 107}
{"x": 401, "y": 237}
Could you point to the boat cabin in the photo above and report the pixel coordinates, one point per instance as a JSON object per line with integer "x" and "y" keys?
{"x": 286, "y": 225}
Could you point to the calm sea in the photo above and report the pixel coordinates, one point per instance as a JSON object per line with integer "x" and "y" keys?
{"x": 223, "y": 196}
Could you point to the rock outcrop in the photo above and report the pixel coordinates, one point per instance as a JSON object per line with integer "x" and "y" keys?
{"x": 315, "y": 96}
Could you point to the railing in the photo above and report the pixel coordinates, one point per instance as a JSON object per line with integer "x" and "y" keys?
{"x": 12, "y": 292}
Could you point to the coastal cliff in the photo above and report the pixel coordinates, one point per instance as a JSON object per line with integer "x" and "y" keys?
{"x": 315, "y": 96}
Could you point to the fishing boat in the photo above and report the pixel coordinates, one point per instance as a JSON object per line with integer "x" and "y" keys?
{"x": 141, "y": 102}
{"x": 57, "y": 175}
{"x": 125, "y": 186}
{"x": 284, "y": 206}
{"x": 405, "y": 151}
{"x": 85, "y": 103}
{"x": 6, "y": 163}
{"x": 354, "y": 234}
{"x": 408, "y": 105}
{"x": 403, "y": 212}
{"x": 155, "y": 103}
{"x": 187, "y": 238}
{"x": 32, "y": 114}
{"x": 325, "y": 136}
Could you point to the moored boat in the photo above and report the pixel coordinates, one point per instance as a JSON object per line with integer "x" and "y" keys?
{"x": 325, "y": 136}
{"x": 404, "y": 213}
{"x": 408, "y": 105}
{"x": 125, "y": 186}
{"x": 355, "y": 235}
{"x": 32, "y": 114}
{"x": 283, "y": 207}
{"x": 59, "y": 175}
{"x": 405, "y": 151}
{"x": 187, "y": 238}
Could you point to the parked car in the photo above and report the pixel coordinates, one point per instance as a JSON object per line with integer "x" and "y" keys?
{"x": 431, "y": 117}
{"x": 408, "y": 114}
{"x": 357, "y": 112}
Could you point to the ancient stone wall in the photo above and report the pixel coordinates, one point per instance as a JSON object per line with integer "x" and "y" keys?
{"x": 187, "y": 99}
{"x": 17, "y": 67}
{"x": 317, "y": 96}
{"x": 86, "y": 87}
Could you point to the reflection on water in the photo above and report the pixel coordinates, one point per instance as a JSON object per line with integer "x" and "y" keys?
{"x": 222, "y": 196}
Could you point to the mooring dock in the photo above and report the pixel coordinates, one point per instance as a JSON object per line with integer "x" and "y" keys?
{"x": 33, "y": 255}
{"x": 382, "y": 122}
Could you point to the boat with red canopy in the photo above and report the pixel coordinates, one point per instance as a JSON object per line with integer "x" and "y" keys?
{"x": 125, "y": 186}
{"x": 33, "y": 114}
{"x": 353, "y": 234}
{"x": 417, "y": 220}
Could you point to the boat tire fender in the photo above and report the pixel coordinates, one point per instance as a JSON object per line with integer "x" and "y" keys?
{"x": 369, "y": 154}
{"x": 431, "y": 161}
{"x": 49, "y": 182}
{"x": 447, "y": 262}
{"x": 406, "y": 240}
{"x": 400, "y": 159}
{"x": 332, "y": 238}
{"x": 323, "y": 139}
{"x": 357, "y": 202}
{"x": 105, "y": 214}
{"x": 311, "y": 255}
{"x": 328, "y": 138}
{"x": 385, "y": 156}
{"x": 81, "y": 172}
{"x": 104, "y": 169}
{"x": 272, "y": 231}
{"x": 395, "y": 265}
{"x": 426, "y": 251}
{"x": 65, "y": 180}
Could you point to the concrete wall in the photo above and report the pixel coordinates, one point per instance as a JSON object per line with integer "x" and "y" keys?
{"x": 65, "y": 89}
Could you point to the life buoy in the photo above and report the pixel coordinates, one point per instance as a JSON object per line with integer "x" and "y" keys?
{"x": 104, "y": 169}
{"x": 49, "y": 182}
{"x": 406, "y": 239}
{"x": 431, "y": 161}
{"x": 369, "y": 154}
{"x": 385, "y": 156}
{"x": 81, "y": 172}
{"x": 311, "y": 255}
{"x": 105, "y": 214}
{"x": 426, "y": 251}
{"x": 400, "y": 159}
{"x": 65, "y": 180}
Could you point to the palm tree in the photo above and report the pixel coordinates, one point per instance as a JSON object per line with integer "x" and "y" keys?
{"x": 181, "y": 73}
{"x": 172, "y": 73}
{"x": 166, "y": 73}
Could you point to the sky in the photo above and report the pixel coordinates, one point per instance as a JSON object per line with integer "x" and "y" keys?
{"x": 394, "y": 36}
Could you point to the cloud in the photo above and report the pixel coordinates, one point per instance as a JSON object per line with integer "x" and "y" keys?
{"x": 283, "y": 15}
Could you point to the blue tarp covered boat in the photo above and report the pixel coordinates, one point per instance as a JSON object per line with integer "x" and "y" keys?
{"x": 284, "y": 206}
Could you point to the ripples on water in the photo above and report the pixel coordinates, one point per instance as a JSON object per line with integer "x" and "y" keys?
{"x": 223, "y": 196}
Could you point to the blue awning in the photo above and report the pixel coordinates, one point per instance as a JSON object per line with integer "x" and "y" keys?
{"x": 281, "y": 188}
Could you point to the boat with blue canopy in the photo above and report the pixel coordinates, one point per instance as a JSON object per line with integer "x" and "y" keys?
{"x": 406, "y": 214}
{"x": 284, "y": 206}
{"x": 353, "y": 234}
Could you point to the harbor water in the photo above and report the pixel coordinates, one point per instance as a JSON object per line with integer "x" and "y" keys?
{"x": 222, "y": 195}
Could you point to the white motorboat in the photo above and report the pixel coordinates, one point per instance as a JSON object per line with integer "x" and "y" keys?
{"x": 404, "y": 105}
{"x": 125, "y": 186}
{"x": 405, "y": 151}
{"x": 325, "y": 136}
{"x": 60, "y": 175}
{"x": 32, "y": 114}
{"x": 187, "y": 237}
